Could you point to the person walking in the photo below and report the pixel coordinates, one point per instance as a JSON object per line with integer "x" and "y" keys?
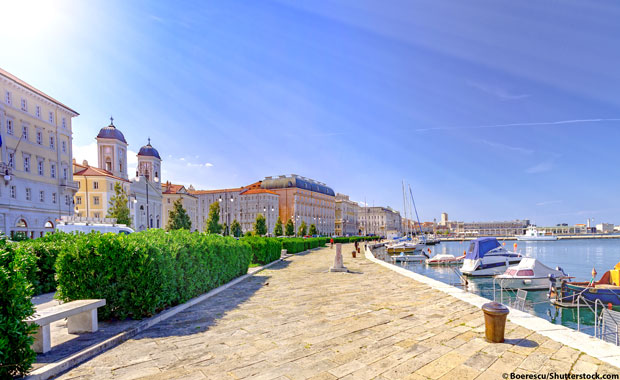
{"x": 331, "y": 243}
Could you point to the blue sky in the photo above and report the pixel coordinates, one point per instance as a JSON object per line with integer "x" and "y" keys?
{"x": 492, "y": 110}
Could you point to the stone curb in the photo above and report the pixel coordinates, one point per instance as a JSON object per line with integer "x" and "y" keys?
{"x": 590, "y": 345}
{"x": 56, "y": 368}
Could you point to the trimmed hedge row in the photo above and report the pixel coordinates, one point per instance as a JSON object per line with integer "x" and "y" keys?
{"x": 352, "y": 239}
{"x": 16, "y": 356}
{"x": 264, "y": 250}
{"x": 142, "y": 273}
{"x": 45, "y": 251}
{"x": 296, "y": 245}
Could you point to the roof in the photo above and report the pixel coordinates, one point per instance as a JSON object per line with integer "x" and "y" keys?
{"x": 479, "y": 247}
{"x": 284, "y": 182}
{"x": 91, "y": 171}
{"x": 198, "y": 192}
{"x": 35, "y": 90}
{"x": 148, "y": 150}
{"x": 171, "y": 188}
{"x": 111, "y": 132}
{"x": 259, "y": 191}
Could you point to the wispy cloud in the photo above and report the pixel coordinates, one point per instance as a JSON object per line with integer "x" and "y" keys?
{"x": 502, "y": 146}
{"x": 497, "y": 91}
{"x": 542, "y": 167}
{"x": 545, "y": 203}
{"x": 533, "y": 124}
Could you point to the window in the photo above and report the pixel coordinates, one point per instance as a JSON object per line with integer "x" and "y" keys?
{"x": 95, "y": 200}
{"x": 42, "y": 196}
{"x": 111, "y": 186}
{"x": 13, "y": 192}
{"x": 12, "y": 160}
{"x": 67, "y": 200}
{"x": 168, "y": 200}
{"x": 51, "y": 117}
{"x": 108, "y": 165}
{"x": 28, "y": 194}
{"x": 9, "y": 126}
{"x": 64, "y": 173}
{"x": 25, "y": 132}
{"x": 38, "y": 111}
{"x": 64, "y": 147}
{"x": 54, "y": 198}
{"x": 26, "y": 163}
{"x": 64, "y": 122}
{"x": 97, "y": 215}
{"x": 78, "y": 200}
{"x": 24, "y": 105}
{"x": 53, "y": 170}
{"x": 52, "y": 142}
{"x": 39, "y": 137}
{"x": 40, "y": 167}
{"x": 95, "y": 185}
{"x": 8, "y": 98}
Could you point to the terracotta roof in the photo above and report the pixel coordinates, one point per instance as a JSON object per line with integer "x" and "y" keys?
{"x": 33, "y": 89}
{"x": 90, "y": 171}
{"x": 198, "y": 192}
{"x": 171, "y": 188}
{"x": 258, "y": 191}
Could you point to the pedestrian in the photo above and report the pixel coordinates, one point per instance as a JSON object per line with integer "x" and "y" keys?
{"x": 331, "y": 243}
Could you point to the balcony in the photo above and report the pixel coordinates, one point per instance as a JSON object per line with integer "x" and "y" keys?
{"x": 74, "y": 185}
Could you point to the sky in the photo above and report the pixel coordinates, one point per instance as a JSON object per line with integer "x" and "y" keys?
{"x": 490, "y": 110}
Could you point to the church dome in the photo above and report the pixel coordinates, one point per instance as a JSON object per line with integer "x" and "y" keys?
{"x": 148, "y": 150}
{"x": 110, "y": 132}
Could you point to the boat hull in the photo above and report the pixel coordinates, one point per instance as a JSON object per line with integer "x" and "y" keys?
{"x": 537, "y": 238}
{"x": 605, "y": 295}
{"x": 491, "y": 266}
{"x": 526, "y": 283}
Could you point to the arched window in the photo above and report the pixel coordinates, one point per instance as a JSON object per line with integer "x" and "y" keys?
{"x": 49, "y": 224}
{"x": 21, "y": 224}
{"x": 108, "y": 164}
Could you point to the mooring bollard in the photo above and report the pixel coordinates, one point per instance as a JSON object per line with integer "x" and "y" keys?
{"x": 494, "y": 321}
{"x": 338, "y": 264}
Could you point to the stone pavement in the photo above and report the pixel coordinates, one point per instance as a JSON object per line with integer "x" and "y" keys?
{"x": 296, "y": 320}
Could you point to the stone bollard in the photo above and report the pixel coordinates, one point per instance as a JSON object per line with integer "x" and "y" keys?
{"x": 283, "y": 252}
{"x": 338, "y": 264}
{"x": 494, "y": 321}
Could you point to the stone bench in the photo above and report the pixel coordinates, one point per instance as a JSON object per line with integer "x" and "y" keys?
{"x": 81, "y": 314}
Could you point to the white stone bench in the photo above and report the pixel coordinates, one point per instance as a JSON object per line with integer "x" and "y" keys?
{"x": 81, "y": 314}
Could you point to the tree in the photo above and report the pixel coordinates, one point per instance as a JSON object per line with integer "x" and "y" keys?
{"x": 277, "y": 230}
{"x": 213, "y": 221}
{"x": 225, "y": 230}
{"x": 260, "y": 226}
{"x": 302, "y": 229}
{"x": 290, "y": 228}
{"x": 118, "y": 205}
{"x": 313, "y": 230}
{"x": 235, "y": 228}
{"x": 178, "y": 218}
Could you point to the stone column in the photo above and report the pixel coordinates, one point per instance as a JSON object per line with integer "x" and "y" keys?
{"x": 338, "y": 264}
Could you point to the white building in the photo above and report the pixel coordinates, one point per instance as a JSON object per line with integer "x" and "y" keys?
{"x": 605, "y": 228}
{"x": 36, "y": 159}
{"x": 228, "y": 200}
{"x": 146, "y": 191}
{"x": 379, "y": 220}
{"x": 346, "y": 212}
{"x": 259, "y": 201}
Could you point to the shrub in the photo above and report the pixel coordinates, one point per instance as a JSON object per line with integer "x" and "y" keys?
{"x": 142, "y": 273}
{"x": 296, "y": 245}
{"x": 45, "y": 250}
{"x": 264, "y": 250}
{"x": 16, "y": 356}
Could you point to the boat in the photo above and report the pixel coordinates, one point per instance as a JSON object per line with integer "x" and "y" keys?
{"x": 444, "y": 259}
{"x": 404, "y": 246}
{"x": 487, "y": 257}
{"x": 532, "y": 234}
{"x": 409, "y": 258}
{"x": 606, "y": 290}
{"x": 529, "y": 274}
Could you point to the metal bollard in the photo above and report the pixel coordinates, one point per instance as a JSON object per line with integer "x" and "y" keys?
{"x": 495, "y": 315}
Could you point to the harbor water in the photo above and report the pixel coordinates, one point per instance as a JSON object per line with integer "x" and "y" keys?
{"x": 576, "y": 257}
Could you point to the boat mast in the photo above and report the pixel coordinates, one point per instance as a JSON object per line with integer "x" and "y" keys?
{"x": 416, "y": 210}
{"x": 405, "y": 210}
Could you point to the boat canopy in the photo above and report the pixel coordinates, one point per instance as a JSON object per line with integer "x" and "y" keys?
{"x": 535, "y": 268}
{"x": 479, "y": 247}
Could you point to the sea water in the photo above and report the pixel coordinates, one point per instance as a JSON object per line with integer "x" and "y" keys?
{"x": 576, "y": 257}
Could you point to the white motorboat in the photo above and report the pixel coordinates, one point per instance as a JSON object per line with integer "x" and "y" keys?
{"x": 405, "y": 246}
{"x": 487, "y": 257}
{"x": 529, "y": 274}
{"x": 409, "y": 258}
{"x": 444, "y": 259}
{"x": 532, "y": 234}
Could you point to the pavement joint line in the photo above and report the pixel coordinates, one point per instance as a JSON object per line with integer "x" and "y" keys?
{"x": 577, "y": 340}
{"x": 54, "y": 369}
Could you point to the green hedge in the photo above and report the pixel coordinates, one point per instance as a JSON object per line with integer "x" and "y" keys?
{"x": 142, "y": 273}
{"x": 352, "y": 239}
{"x": 296, "y": 245}
{"x": 16, "y": 356}
{"x": 45, "y": 251}
{"x": 264, "y": 250}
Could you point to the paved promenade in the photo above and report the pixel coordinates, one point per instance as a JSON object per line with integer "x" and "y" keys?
{"x": 295, "y": 320}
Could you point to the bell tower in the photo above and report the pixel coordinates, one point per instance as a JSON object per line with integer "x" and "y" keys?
{"x": 149, "y": 163}
{"x": 112, "y": 150}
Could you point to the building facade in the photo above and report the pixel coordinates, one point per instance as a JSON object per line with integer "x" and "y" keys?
{"x": 96, "y": 184}
{"x": 304, "y": 200}
{"x": 506, "y": 228}
{"x": 346, "y": 216}
{"x": 258, "y": 201}
{"x": 379, "y": 220}
{"x": 36, "y": 154}
{"x": 170, "y": 194}
{"x": 228, "y": 200}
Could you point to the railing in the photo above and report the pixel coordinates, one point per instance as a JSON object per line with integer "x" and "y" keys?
{"x": 71, "y": 184}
